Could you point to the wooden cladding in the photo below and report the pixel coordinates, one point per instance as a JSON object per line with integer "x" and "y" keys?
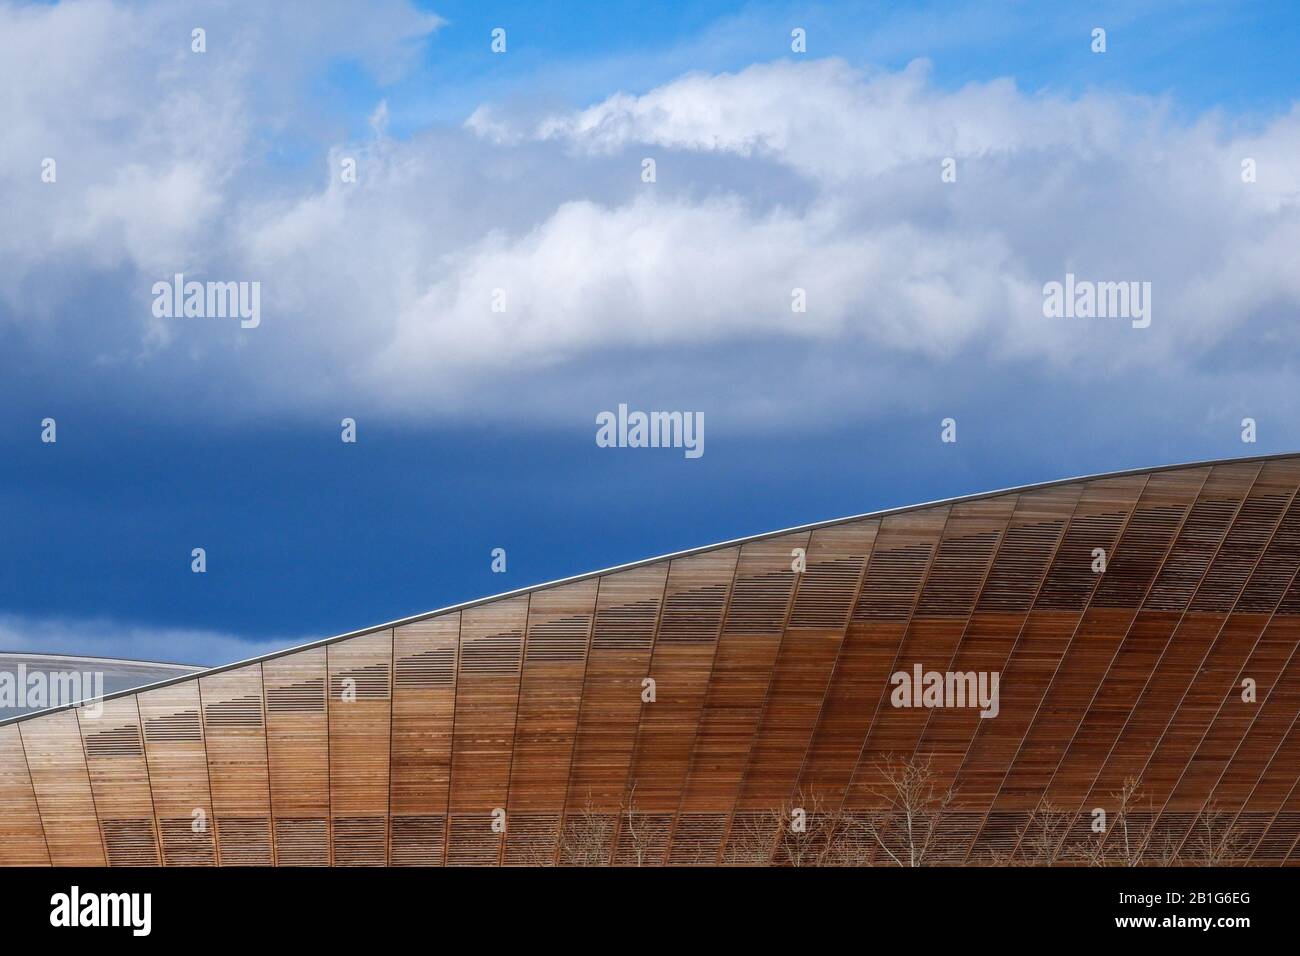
{"x": 670, "y": 713}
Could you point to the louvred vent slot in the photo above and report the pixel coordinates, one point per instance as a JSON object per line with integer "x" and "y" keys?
{"x": 494, "y": 656}
{"x": 302, "y": 697}
{"x": 115, "y": 742}
{"x": 752, "y": 838}
{"x": 1241, "y": 549}
{"x": 694, "y": 615}
{"x": 236, "y": 712}
{"x": 244, "y": 841}
{"x": 1191, "y": 555}
{"x": 472, "y": 842}
{"x": 626, "y": 627}
{"x": 1019, "y": 566}
{"x": 417, "y": 840}
{"x": 366, "y": 683}
{"x": 182, "y": 846}
{"x": 956, "y": 576}
{"x": 698, "y": 839}
{"x": 1072, "y": 579}
{"x": 1280, "y": 839}
{"x": 432, "y": 668}
{"x": 587, "y": 838}
{"x": 302, "y": 842}
{"x": 893, "y": 578}
{"x": 130, "y": 842}
{"x": 183, "y": 725}
{"x": 531, "y": 838}
{"x": 561, "y": 639}
{"x": 826, "y": 592}
{"x": 1291, "y": 600}
{"x": 360, "y": 841}
{"x": 1137, "y": 557}
{"x": 643, "y": 839}
{"x": 759, "y": 603}
{"x": 1276, "y": 569}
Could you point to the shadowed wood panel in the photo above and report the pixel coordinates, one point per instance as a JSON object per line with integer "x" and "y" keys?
{"x": 900, "y": 554}
{"x": 1202, "y": 536}
{"x": 550, "y": 694}
{"x": 805, "y": 662}
{"x": 1099, "y": 518}
{"x": 694, "y": 604}
{"x": 22, "y": 840}
{"x": 1024, "y": 555}
{"x": 424, "y": 713}
{"x": 964, "y": 557}
{"x": 360, "y": 700}
{"x": 178, "y": 773}
{"x": 1275, "y": 802}
{"x": 62, "y": 787}
{"x": 1197, "y": 790}
{"x": 1259, "y": 774}
{"x": 627, "y": 614}
{"x": 1190, "y": 758}
{"x": 742, "y": 668}
{"x": 487, "y": 700}
{"x": 1188, "y": 558}
{"x": 298, "y": 742}
{"x": 1161, "y": 670}
{"x": 119, "y": 779}
{"x": 1165, "y": 503}
{"x": 234, "y": 728}
{"x": 1200, "y": 647}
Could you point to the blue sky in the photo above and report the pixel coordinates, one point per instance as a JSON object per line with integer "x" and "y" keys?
{"x": 522, "y": 170}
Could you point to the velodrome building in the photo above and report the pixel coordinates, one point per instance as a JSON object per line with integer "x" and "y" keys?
{"x": 1052, "y": 674}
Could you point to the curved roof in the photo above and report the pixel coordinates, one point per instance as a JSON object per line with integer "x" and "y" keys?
{"x": 702, "y": 549}
{"x": 114, "y": 675}
{"x": 1096, "y": 633}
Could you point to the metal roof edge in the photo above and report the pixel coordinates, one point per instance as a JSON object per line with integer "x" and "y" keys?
{"x": 573, "y": 579}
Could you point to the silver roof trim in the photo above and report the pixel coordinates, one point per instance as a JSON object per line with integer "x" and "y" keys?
{"x": 465, "y": 605}
{"x": 37, "y": 655}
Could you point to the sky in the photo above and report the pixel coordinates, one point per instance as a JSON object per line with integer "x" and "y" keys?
{"x": 458, "y": 250}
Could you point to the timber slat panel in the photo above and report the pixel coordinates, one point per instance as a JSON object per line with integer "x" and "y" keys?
{"x": 360, "y": 718}
{"x": 424, "y": 713}
{"x": 752, "y": 629}
{"x": 627, "y": 615}
{"x": 487, "y": 702}
{"x": 550, "y": 694}
{"x": 1194, "y": 642}
{"x": 234, "y": 725}
{"x": 22, "y": 839}
{"x": 1160, "y": 513}
{"x": 298, "y": 755}
{"x": 113, "y": 742}
{"x": 178, "y": 773}
{"x": 695, "y": 602}
{"x": 900, "y": 555}
{"x": 61, "y": 785}
{"x": 1143, "y": 629}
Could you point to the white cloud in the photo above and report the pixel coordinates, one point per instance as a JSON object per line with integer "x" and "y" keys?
{"x": 809, "y": 174}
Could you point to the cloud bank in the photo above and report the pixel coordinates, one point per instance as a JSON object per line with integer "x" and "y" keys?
{"x": 815, "y": 175}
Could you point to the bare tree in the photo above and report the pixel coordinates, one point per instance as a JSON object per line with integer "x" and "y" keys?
{"x": 1215, "y": 840}
{"x": 906, "y": 830}
{"x": 813, "y": 833}
{"x": 634, "y": 831}
{"x": 1131, "y": 837}
{"x": 1042, "y": 841}
{"x": 585, "y": 837}
{"x": 752, "y": 839}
